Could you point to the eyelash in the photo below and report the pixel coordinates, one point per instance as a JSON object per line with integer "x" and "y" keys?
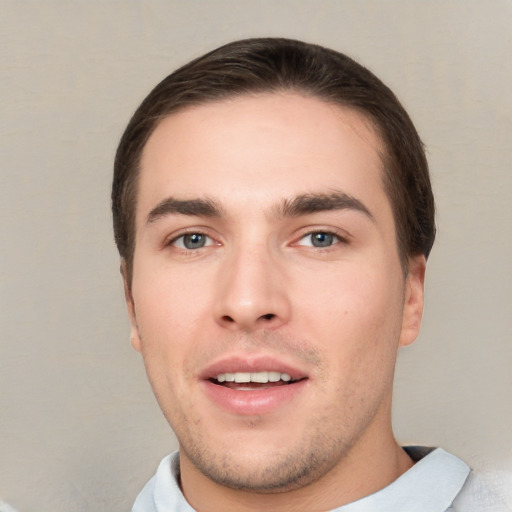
{"x": 182, "y": 236}
{"x": 337, "y": 238}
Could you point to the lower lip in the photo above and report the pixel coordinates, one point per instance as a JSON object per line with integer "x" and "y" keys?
{"x": 252, "y": 402}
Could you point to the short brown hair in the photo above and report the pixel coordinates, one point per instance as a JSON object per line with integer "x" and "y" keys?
{"x": 270, "y": 65}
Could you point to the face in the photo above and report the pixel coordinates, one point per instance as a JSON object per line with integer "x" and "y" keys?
{"x": 268, "y": 299}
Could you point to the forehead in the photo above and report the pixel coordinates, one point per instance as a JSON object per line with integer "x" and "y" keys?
{"x": 259, "y": 147}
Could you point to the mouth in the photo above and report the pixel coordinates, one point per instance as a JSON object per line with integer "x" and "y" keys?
{"x": 250, "y": 381}
{"x": 255, "y": 385}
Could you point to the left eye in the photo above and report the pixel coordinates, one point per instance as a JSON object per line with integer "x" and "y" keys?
{"x": 319, "y": 239}
{"x": 192, "y": 241}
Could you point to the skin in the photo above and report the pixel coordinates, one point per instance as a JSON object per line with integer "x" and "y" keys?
{"x": 260, "y": 285}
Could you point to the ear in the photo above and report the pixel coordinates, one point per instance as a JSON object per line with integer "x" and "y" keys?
{"x": 130, "y": 305}
{"x": 413, "y": 303}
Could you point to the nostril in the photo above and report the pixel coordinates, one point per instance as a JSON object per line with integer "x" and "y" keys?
{"x": 233, "y": 320}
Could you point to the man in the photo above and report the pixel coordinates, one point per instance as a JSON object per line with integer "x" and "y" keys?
{"x": 273, "y": 212}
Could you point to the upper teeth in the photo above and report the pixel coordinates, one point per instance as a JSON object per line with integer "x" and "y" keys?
{"x": 261, "y": 377}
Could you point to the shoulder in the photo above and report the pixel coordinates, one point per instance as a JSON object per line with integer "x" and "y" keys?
{"x": 162, "y": 493}
{"x": 488, "y": 489}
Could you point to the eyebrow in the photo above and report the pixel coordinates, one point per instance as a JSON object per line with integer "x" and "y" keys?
{"x": 197, "y": 207}
{"x": 318, "y": 202}
{"x": 303, "y": 204}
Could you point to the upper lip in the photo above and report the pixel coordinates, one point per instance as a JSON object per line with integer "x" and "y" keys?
{"x": 250, "y": 364}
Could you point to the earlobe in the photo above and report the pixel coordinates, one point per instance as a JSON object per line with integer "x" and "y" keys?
{"x": 413, "y": 303}
{"x": 130, "y": 306}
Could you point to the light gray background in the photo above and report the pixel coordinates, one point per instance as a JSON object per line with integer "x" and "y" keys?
{"x": 79, "y": 427}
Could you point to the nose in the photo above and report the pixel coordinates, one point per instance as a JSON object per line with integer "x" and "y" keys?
{"x": 252, "y": 293}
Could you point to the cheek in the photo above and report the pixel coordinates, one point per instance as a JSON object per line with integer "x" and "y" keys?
{"x": 166, "y": 330}
{"x": 355, "y": 314}
{"x": 167, "y": 303}
{"x": 162, "y": 328}
{"x": 355, "y": 295}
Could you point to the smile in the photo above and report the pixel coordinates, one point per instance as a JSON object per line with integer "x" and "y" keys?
{"x": 247, "y": 386}
{"x": 255, "y": 377}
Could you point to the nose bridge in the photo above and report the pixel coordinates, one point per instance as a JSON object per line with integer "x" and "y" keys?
{"x": 252, "y": 294}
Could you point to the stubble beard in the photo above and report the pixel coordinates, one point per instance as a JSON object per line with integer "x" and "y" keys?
{"x": 326, "y": 441}
{"x": 302, "y": 464}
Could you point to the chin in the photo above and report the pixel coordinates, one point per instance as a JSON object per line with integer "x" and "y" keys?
{"x": 263, "y": 467}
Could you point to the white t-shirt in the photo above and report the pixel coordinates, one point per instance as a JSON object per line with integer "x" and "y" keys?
{"x": 438, "y": 482}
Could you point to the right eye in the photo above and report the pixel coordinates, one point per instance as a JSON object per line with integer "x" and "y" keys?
{"x": 191, "y": 241}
